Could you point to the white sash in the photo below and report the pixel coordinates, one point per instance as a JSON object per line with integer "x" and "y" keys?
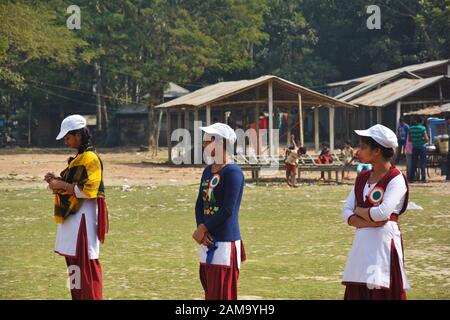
{"x": 222, "y": 255}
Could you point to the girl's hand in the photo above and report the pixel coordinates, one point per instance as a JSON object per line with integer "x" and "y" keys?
{"x": 56, "y": 184}
{"x": 207, "y": 239}
{"x": 199, "y": 233}
{"x": 370, "y": 224}
{"x": 378, "y": 223}
{"x": 49, "y": 176}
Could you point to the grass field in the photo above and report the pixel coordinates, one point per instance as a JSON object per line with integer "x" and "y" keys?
{"x": 295, "y": 241}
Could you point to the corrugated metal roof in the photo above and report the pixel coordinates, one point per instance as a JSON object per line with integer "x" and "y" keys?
{"x": 411, "y": 68}
{"x": 222, "y": 90}
{"x": 431, "y": 111}
{"x": 372, "y": 83}
{"x": 395, "y": 91}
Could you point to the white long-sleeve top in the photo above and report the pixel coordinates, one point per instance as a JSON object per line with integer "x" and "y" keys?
{"x": 394, "y": 197}
{"x": 67, "y": 232}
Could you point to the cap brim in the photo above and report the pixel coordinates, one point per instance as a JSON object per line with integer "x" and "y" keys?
{"x": 210, "y": 130}
{"x": 363, "y": 133}
{"x": 61, "y": 135}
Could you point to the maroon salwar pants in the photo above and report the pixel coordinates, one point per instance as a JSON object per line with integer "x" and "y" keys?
{"x": 90, "y": 271}
{"x": 221, "y": 283}
{"x": 395, "y": 292}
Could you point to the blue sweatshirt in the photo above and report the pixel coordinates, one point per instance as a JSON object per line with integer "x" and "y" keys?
{"x": 218, "y": 202}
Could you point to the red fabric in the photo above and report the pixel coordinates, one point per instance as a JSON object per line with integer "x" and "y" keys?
{"x": 361, "y": 181}
{"x": 103, "y": 222}
{"x": 395, "y": 292}
{"x": 90, "y": 270}
{"x": 263, "y": 123}
{"x": 291, "y": 168}
{"x": 221, "y": 283}
{"x": 325, "y": 160}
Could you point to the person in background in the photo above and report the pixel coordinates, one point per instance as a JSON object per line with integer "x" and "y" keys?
{"x": 324, "y": 158}
{"x": 402, "y": 134}
{"x": 419, "y": 139}
{"x": 325, "y": 155}
{"x": 408, "y": 155}
{"x": 293, "y": 153}
{"x": 348, "y": 158}
{"x": 448, "y": 154}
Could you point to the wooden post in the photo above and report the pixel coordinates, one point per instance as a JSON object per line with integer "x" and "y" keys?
{"x": 270, "y": 100}
{"x": 178, "y": 118}
{"x": 257, "y": 128}
{"x": 363, "y": 118}
{"x": 160, "y": 115}
{"x": 346, "y": 121}
{"x": 197, "y": 139}
{"x": 288, "y": 132}
{"x": 169, "y": 132}
{"x": 186, "y": 119}
{"x": 208, "y": 115}
{"x": 316, "y": 129}
{"x": 222, "y": 114}
{"x": 244, "y": 118}
{"x": 300, "y": 120}
{"x": 257, "y": 111}
{"x": 398, "y": 115}
{"x": 195, "y": 115}
{"x": 331, "y": 111}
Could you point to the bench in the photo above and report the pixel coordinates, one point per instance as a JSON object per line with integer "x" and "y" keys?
{"x": 306, "y": 164}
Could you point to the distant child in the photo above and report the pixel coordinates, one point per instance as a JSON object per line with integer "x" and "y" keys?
{"x": 349, "y": 157}
{"x": 324, "y": 158}
{"x": 325, "y": 155}
{"x": 293, "y": 153}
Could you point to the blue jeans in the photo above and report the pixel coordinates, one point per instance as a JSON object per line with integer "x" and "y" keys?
{"x": 401, "y": 144}
{"x": 418, "y": 152}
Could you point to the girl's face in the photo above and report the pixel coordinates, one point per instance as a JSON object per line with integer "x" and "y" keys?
{"x": 72, "y": 140}
{"x": 368, "y": 155}
{"x": 208, "y": 145}
{"x": 211, "y": 145}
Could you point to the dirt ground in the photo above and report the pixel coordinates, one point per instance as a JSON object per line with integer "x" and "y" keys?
{"x": 25, "y": 168}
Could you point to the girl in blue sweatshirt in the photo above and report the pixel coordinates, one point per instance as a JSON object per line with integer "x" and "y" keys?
{"x": 217, "y": 215}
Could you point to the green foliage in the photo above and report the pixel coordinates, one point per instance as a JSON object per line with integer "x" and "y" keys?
{"x": 142, "y": 45}
{"x": 28, "y": 33}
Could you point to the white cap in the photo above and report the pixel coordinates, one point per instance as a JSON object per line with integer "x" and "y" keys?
{"x": 381, "y": 134}
{"x": 73, "y": 122}
{"x": 222, "y": 130}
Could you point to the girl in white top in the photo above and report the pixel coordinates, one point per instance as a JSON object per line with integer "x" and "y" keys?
{"x": 375, "y": 265}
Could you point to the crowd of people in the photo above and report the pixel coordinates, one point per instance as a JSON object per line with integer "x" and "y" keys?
{"x": 412, "y": 146}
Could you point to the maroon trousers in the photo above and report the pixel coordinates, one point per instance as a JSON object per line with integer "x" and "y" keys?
{"x": 89, "y": 286}
{"x": 221, "y": 283}
{"x": 395, "y": 292}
